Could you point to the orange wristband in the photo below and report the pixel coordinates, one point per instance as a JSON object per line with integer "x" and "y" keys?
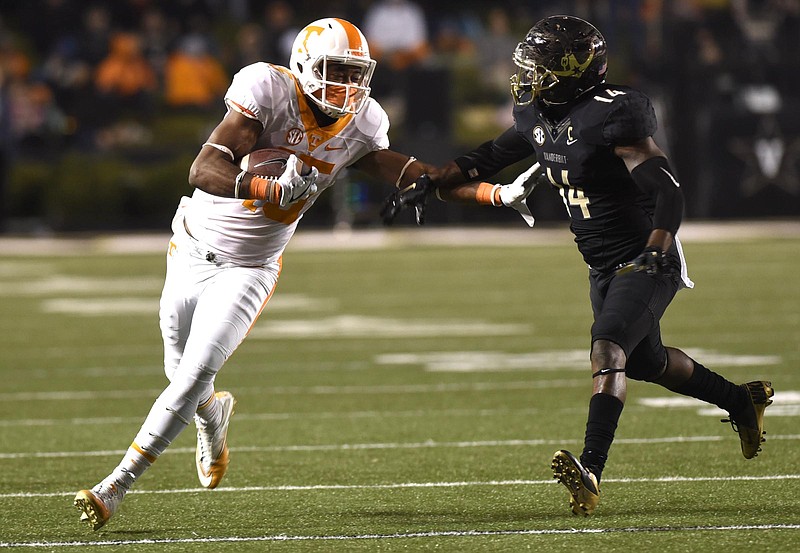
{"x": 265, "y": 189}
{"x": 488, "y": 194}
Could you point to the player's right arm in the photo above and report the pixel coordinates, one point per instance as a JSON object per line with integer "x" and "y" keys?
{"x": 650, "y": 171}
{"x": 392, "y": 167}
{"x": 460, "y": 180}
{"x": 214, "y": 169}
{"x": 629, "y": 128}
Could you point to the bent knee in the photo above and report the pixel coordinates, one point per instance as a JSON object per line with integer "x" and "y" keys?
{"x": 646, "y": 366}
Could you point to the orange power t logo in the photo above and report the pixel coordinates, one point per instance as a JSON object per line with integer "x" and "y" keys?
{"x": 311, "y": 29}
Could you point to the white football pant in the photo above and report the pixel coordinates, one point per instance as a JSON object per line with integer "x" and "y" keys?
{"x": 207, "y": 309}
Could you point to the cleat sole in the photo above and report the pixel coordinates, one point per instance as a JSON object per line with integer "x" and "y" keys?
{"x": 580, "y": 483}
{"x": 93, "y": 512}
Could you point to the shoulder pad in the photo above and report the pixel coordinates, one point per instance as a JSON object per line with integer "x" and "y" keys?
{"x": 257, "y": 88}
{"x": 373, "y": 122}
{"x": 615, "y": 115}
{"x": 525, "y": 118}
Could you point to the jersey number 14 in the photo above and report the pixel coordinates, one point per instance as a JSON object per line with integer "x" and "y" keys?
{"x": 572, "y": 195}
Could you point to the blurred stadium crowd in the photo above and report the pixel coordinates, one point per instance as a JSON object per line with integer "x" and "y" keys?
{"x": 95, "y": 76}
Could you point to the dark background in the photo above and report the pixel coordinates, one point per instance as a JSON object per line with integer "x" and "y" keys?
{"x": 77, "y": 155}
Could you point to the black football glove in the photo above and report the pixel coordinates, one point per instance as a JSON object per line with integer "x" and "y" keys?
{"x": 414, "y": 195}
{"x": 651, "y": 261}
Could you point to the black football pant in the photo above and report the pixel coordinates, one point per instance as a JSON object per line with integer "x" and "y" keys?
{"x": 627, "y": 310}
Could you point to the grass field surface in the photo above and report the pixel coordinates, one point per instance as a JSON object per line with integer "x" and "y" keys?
{"x": 399, "y": 398}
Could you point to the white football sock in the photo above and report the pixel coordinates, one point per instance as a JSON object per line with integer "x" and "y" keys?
{"x": 209, "y": 413}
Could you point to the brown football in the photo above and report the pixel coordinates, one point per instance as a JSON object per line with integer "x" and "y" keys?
{"x": 269, "y": 162}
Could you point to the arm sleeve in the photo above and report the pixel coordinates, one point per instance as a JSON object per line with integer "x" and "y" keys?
{"x": 492, "y": 156}
{"x": 655, "y": 177}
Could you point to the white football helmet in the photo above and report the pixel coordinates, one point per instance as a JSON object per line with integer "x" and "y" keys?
{"x": 338, "y": 41}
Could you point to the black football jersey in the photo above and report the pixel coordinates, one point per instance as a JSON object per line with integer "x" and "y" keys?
{"x": 610, "y": 216}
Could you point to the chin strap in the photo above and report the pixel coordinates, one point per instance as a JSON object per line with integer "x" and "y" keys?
{"x": 604, "y": 372}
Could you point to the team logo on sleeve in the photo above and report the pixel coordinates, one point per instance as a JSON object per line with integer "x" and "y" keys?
{"x": 294, "y": 136}
{"x": 538, "y": 135}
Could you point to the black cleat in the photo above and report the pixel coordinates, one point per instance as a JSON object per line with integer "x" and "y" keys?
{"x": 749, "y": 423}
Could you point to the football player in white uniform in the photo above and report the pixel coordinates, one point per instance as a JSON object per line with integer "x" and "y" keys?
{"x": 224, "y": 258}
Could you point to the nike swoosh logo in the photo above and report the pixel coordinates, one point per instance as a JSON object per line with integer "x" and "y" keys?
{"x": 329, "y": 148}
{"x": 281, "y": 163}
{"x": 571, "y": 141}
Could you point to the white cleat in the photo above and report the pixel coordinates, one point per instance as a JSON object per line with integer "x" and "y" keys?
{"x": 212, "y": 456}
{"x": 99, "y": 504}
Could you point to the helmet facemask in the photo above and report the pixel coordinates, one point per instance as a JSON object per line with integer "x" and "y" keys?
{"x": 531, "y": 78}
{"x": 343, "y": 82}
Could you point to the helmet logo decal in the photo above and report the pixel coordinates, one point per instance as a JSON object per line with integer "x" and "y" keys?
{"x": 572, "y": 67}
{"x": 309, "y": 30}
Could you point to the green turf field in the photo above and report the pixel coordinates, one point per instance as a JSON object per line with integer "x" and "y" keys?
{"x": 399, "y": 399}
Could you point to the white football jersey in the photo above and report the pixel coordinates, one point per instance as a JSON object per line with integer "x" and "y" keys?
{"x": 238, "y": 230}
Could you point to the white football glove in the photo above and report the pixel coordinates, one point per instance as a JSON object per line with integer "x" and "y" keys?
{"x": 294, "y": 186}
{"x": 515, "y": 194}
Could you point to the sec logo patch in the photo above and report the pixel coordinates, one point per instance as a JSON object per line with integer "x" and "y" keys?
{"x": 294, "y": 136}
{"x": 538, "y": 135}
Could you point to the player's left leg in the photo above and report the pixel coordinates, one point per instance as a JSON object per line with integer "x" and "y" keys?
{"x": 626, "y": 308}
{"x": 581, "y": 476}
{"x": 226, "y": 312}
{"x": 745, "y": 402}
{"x": 178, "y": 298}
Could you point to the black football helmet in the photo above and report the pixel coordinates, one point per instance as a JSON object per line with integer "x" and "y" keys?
{"x": 561, "y": 58}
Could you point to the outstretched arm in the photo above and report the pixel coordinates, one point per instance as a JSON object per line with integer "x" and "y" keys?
{"x": 462, "y": 180}
{"x": 392, "y": 167}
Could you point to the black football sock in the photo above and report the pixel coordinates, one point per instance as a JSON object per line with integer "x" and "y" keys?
{"x": 710, "y": 387}
{"x": 604, "y": 413}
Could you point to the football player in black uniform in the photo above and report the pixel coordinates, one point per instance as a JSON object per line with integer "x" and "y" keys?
{"x": 594, "y": 144}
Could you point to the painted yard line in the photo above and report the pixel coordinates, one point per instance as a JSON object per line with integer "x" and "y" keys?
{"x": 322, "y": 415}
{"x": 411, "y": 535}
{"x": 155, "y": 243}
{"x": 777, "y": 410}
{"x": 312, "y": 390}
{"x": 543, "y": 360}
{"x": 371, "y": 328}
{"x": 474, "y": 361}
{"x": 415, "y": 485}
{"x": 387, "y": 446}
{"x": 787, "y": 403}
